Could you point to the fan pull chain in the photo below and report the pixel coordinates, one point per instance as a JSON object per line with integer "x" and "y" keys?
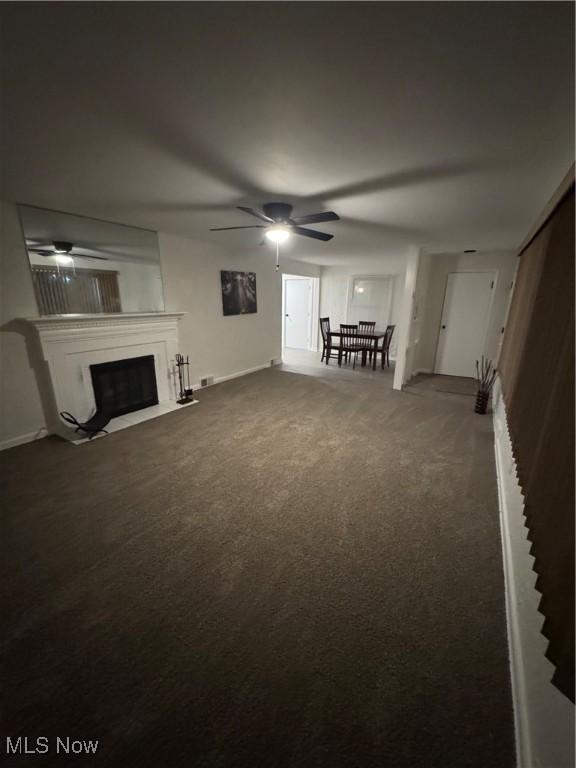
{"x": 277, "y": 257}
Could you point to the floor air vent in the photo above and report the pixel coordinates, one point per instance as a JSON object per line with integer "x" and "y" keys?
{"x": 207, "y": 381}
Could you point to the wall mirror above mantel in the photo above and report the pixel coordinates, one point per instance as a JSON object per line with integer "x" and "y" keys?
{"x": 86, "y": 266}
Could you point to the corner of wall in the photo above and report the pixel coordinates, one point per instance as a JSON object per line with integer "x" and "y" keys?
{"x": 404, "y": 350}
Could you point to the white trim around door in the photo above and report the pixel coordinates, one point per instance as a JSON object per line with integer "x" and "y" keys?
{"x": 313, "y": 309}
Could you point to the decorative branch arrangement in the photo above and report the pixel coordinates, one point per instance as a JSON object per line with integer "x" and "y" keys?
{"x": 485, "y": 376}
{"x": 185, "y": 394}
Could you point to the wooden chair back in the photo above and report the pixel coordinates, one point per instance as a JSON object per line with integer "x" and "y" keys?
{"x": 388, "y": 338}
{"x": 325, "y": 329}
{"x": 366, "y": 327}
{"x": 350, "y": 339}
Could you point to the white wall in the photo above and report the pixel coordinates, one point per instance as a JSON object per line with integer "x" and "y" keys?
{"x": 218, "y": 346}
{"x": 435, "y": 269}
{"x": 336, "y": 283}
{"x": 544, "y": 717}
{"x": 221, "y": 346}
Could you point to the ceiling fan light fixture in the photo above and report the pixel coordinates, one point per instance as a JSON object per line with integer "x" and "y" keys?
{"x": 278, "y": 234}
{"x": 62, "y": 246}
{"x": 63, "y": 260}
{"x": 279, "y": 224}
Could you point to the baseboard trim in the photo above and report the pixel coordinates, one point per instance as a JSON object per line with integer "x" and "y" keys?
{"x": 235, "y": 375}
{"x": 29, "y": 437}
{"x": 415, "y": 373}
{"x": 238, "y": 374}
{"x": 543, "y": 717}
{"x": 521, "y": 723}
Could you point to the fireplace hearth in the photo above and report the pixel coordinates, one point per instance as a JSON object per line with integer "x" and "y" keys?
{"x": 128, "y": 385}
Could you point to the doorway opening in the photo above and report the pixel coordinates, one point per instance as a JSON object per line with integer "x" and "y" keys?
{"x": 300, "y": 299}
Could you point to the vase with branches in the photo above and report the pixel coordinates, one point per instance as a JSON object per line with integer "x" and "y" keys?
{"x": 485, "y": 376}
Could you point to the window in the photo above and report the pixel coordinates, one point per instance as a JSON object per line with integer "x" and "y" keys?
{"x": 370, "y": 298}
{"x": 63, "y": 291}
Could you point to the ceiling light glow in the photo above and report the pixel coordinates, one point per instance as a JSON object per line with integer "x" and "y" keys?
{"x": 63, "y": 260}
{"x": 277, "y": 234}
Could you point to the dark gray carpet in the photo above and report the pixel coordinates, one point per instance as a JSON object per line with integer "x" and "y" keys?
{"x": 299, "y": 571}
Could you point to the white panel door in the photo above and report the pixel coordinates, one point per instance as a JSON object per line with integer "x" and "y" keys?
{"x": 297, "y": 308}
{"x": 465, "y": 314}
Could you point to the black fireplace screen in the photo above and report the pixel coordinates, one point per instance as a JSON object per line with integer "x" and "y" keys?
{"x": 129, "y": 385}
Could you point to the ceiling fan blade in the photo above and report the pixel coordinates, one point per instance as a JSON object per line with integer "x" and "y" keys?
{"x": 42, "y": 252}
{"x": 84, "y": 256}
{"x": 316, "y": 218}
{"x": 254, "y": 212}
{"x": 313, "y": 233}
{"x": 252, "y": 226}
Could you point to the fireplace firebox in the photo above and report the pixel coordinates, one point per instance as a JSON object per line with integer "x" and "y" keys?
{"x": 129, "y": 385}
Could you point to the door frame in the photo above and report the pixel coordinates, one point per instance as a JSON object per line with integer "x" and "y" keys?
{"x": 314, "y": 308}
{"x": 495, "y": 274}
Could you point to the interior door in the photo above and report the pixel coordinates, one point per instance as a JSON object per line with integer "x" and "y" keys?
{"x": 297, "y": 307}
{"x": 465, "y": 314}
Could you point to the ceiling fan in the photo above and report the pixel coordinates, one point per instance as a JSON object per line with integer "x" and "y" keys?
{"x": 279, "y": 223}
{"x": 64, "y": 250}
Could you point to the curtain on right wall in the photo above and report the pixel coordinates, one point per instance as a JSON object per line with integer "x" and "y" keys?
{"x": 537, "y": 376}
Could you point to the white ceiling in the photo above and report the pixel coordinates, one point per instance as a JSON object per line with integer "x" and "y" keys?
{"x": 444, "y": 125}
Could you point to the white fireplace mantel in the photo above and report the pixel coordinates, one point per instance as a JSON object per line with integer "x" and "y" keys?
{"x": 102, "y": 320}
{"x": 70, "y": 344}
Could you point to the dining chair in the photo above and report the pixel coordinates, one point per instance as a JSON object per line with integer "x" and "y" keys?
{"x": 329, "y": 349}
{"x": 369, "y": 327}
{"x": 384, "y": 350}
{"x": 348, "y": 342}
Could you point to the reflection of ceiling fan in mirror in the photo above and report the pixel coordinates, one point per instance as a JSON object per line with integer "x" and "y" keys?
{"x": 63, "y": 251}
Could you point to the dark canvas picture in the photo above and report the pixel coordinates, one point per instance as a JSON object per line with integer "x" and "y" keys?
{"x": 238, "y": 292}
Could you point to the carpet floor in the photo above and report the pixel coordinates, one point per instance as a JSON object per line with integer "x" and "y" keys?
{"x": 300, "y": 571}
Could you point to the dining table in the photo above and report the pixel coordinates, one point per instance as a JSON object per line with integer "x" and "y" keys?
{"x": 372, "y": 336}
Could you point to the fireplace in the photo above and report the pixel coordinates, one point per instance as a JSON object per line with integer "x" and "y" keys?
{"x": 73, "y": 347}
{"x": 129, "y": 385}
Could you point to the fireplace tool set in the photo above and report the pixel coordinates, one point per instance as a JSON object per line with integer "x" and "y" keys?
{"x": 185, "y": 394}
